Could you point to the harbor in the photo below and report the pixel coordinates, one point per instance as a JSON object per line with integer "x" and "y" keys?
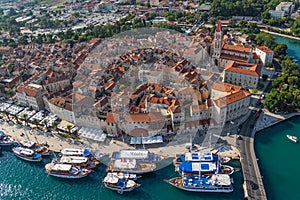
{"x": 56, "y": 144}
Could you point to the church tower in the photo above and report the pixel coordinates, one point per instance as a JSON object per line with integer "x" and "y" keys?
{"x": 218, "y": 41}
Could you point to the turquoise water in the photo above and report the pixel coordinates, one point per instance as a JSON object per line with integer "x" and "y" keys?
{"x": 293, "y": 46}
{"x": 24, "y": 180}
{"x": 279, "y": 157}
{"x": 279, "y": 160}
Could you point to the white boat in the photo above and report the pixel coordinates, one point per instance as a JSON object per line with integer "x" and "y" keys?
{"x": 5, "y": 140}
{"x": 39, "y": 148}
{"x": 113, "y": 182}
{"x": 293, "y": 138}
{"x": 27, "y": 154}
{"x": 134, "y": 161}
{"x": 75, "y": 152}
{"x": 125, "y": 175}
{"x": 217, "y": 183}
{"x": 78, "y": 161}
{"x": 66, "y": 171}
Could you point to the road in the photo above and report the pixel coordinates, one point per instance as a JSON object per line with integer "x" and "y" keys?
{"x": 252, "y": 177}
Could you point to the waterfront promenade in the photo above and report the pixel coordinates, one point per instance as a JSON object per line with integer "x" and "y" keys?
{"x": 280, "y": 34}
{"x": 253, "y": 181}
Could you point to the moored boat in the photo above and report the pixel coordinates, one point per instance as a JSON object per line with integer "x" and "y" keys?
{"x": 81, "y": 161}
{"x": 75, "y": 152}
{"x": 113, "y": 182}
{"x": 66, "y": 171}
{"x": 27, "y": 154}
{"x": 39, "y": 148}
{"x": 5, "y": 140}
{"x": 134, "y": 161}
{"x": 217, "y": 183}
{"x": 293, "y": 138}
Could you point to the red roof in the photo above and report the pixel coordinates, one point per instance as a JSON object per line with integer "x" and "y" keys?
{"x": 244, "y": 68}
{"x": 231, "y": 98}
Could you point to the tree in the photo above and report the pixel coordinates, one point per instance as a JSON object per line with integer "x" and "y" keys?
{"x": 25, "y": 119}
{"x": 55, "y": 125}
{"x": 7, "y": 114}
{"x": 280, "y": 50}
{"x": 36, "y": 122}
{"x": 264, "y": 77}
{"x": 69, "y": 127}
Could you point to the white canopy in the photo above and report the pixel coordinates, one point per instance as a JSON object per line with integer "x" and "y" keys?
{"x": 61, "y": 167}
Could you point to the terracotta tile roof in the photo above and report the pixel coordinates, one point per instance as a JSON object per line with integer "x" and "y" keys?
{"x": 264, "y": 49}
{"x": 144, "y": 117}
{"x": 244, "y": 68}
{"x": 232, "y": 57}
{"x": 29, "y": 91}
{"x": 236, "y": 48}
{"x": 226, "y": 87}
{"x": 231, "y": 98}
{"x": 112, "y": 117}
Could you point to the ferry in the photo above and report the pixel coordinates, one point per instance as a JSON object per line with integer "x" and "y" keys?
{"x": 113, "y": 182}
{"x": 5, "y": 140}
{"x": 78, "y": 161}
{"x": 39, "y": 148}
{"x": 66, "y": 171}
{"x": 27, "y": 154}
{"x": 134, "y": 161}
{"x": 207, "y": 168}
{"x": 293, "y": 138}
{"x": 196, "y": 157}
{"x": 75, "y": 152}
{"x": 217, "y": 183}
{"x": 204, "y": 162}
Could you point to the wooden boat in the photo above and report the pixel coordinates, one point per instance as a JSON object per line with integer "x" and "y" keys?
{"x": 217, "y": 183}
{"x": 126, "y": 175}
{"x": 134, "y": 161}
{"x": 39, "y": 148}
{"x": 75, "y": 152}
{"x": 27, "y": 154}
{"x": 66, "y": 171}
{"x": 5, "y": 140}
{"x": 113, "y": 182}
{"x": 81, "y": 161}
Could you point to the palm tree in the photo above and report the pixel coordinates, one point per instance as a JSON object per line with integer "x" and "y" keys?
{"x": 45, "y": 123}
{"x": 7, "y": 114}
{"x": 25, "y": 119}
{"x": 55, "y": 124}
{"x": 36, "y": 122}
{"x": 69, "y": 127}
{"x": 16, "y": 117}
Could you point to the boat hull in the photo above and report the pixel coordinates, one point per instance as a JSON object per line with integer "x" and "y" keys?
{"x": 200, "y": 190}
{"x": 66, "y": 176}
{"x": 28, "y": 159}
{"x": 119, "y": 189}
{"x": 6, "y": 144}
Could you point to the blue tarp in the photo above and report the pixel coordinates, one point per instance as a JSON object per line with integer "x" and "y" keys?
{"x": 86, "y": 152}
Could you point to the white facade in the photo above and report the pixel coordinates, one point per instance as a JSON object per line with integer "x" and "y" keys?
{"x": 245, "y": 80}
{"x": 62, "y": 113}
{"x": 265, "y": 55}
